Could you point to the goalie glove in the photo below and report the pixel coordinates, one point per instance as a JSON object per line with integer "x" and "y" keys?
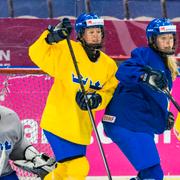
{"x": 39, "y": 164}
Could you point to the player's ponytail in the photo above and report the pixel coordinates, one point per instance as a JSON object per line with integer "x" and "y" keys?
{"x": 172, "y": 65}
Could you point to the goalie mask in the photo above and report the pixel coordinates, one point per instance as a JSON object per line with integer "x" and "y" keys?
{"x": 88, "y": 21}
{"x": 157, "y": 27}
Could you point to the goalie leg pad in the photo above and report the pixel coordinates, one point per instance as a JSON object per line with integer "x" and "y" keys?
{"x": 76, "y": 169}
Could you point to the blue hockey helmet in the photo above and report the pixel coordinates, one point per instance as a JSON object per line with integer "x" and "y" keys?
{"x": 157, "y": 27}
{"x": 86, "y": 21}
{"x": 160, "y": 26}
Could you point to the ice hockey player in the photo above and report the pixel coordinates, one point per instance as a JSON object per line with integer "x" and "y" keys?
{"x": 65, "y": 119}
{"x": 15, "y": 147}
{"x": 139, "y": 108}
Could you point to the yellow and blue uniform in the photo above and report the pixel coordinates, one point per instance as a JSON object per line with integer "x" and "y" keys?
{"x": 62, "y": 116}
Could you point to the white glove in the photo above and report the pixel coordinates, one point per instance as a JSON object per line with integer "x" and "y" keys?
{"x": 40, "y": 164}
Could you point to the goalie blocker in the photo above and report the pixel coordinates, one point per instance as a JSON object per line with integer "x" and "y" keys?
{"x": 35, "y": 162}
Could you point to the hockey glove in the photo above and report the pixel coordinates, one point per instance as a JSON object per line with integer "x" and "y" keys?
{"x": 59, "y": 32}
{"x": 155, "y": 78}
{"x": 35, "y": 162}
{"x": 93, "y": 100}
{"x": 40, "y": 165}
{"x": 170, "y": 121}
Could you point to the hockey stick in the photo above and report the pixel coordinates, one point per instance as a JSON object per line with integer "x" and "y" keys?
{"x": 166, "y": 91}
{"x": 88, "y": 108}
{"x": 168, "y": 94}
{"x": 153, "y": 86}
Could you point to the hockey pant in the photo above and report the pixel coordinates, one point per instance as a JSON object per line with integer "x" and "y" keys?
{"x": 11, "y": 176}
{"x": 139, "y": 148}
{"x": 75, "y": 169}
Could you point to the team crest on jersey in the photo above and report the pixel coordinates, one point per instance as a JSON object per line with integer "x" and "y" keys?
{"x": 7, "y": 145}
{"x": 108, "y": 118}
{"x": 93, "y": 85}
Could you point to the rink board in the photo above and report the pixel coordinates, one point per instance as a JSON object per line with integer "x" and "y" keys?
{"x": 106, "y": 178}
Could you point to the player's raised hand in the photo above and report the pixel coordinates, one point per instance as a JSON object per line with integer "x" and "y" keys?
{"x": 61, "y": 31}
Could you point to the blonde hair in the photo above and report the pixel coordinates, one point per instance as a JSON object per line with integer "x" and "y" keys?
{"x": 172, "y": 65}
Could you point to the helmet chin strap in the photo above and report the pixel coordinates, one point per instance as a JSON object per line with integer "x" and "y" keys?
{"x": 92, "y": 47}
{"x": 168, "y": 53}
{"x": 163, "y": 54}
{"x": 92, "y": 50}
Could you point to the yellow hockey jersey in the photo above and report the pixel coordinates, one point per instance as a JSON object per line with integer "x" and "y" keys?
{"x": 62, "y": 116}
